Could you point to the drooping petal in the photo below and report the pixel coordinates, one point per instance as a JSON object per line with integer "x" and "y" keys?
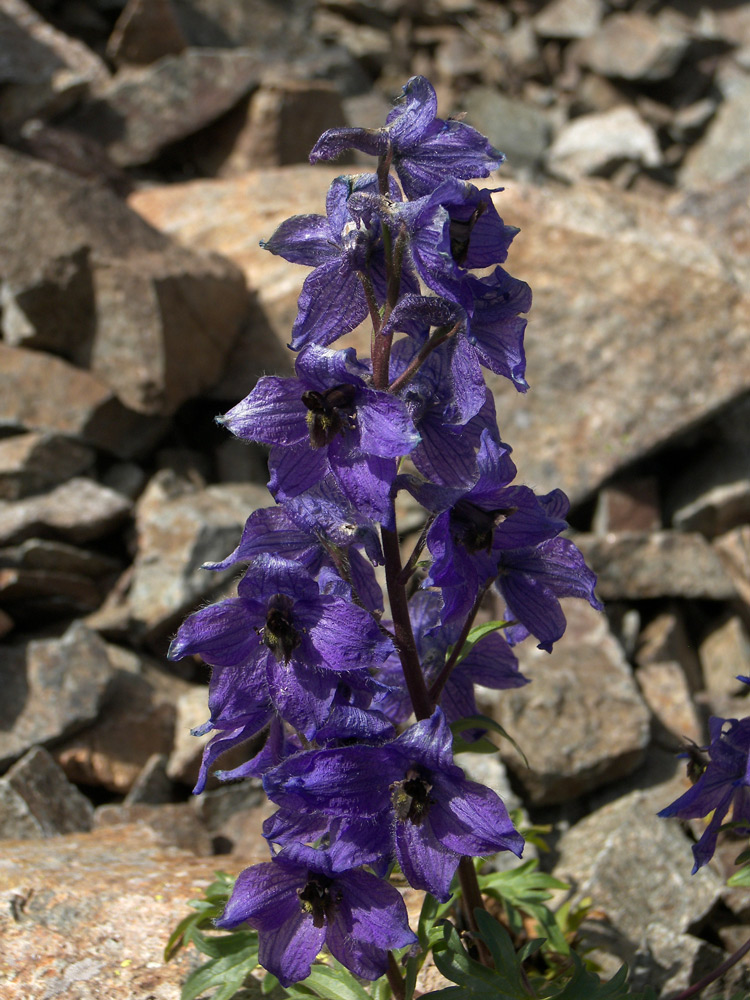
{"x": 332, "y": 302}
{"x": 222, "y": 633}
{"x": 303, "y": 239}
{"x": 273, "y": 413}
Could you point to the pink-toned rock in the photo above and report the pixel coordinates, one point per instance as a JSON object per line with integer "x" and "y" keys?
{"x": 88, "y": 915}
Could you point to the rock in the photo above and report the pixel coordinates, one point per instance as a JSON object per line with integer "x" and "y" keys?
{"x": 665, "y": 640}
{"x": 577, "y": 693}
{"x": 41, "y": 554}
{"x": 39, "y": 801}
{"x": 145, "y": 31}
{"x": 90, "y": 913}
{"x": 278, "y": 124}
{"x": 521, "y": 130}
{"x": 33, "y": 595}
{"x": 625, "y": 844}
{"x": 724, "y": 654}
{"x": 673, "y": 962}
{"x": 633, "y": 566}
{"x": 733, "y": 549}
{"x": 160, "y": 319}
{"x": 713, "y": 496}
{"x": 629, "y": 505}
{"x": 41, "y": 393}
{"x": 53, "y": 308}
{"x": 79, "y": 510}
{"x": 632, "y": 281}
{"x": 136, "y": 721}
{"x": 143, "y": 110}
{"x": 52, "y": 688}
{"x": 178, "y": 529}
{"x": 634, "y": 46}
{"x": 723, "y": 154}
{"x": 43, "y": 71}
{"x": 152, "y": 786}
{"x": 595, "y": 144}
{"x": 665, "y": 690}
{"x": 34, "y": 462}
{"x": 225, "y": 23}
{"x": 176, "y": 824}
{"x": 165, "y": 327}
{"x": 568, "y": 19}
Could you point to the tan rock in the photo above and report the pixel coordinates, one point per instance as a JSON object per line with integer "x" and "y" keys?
{"x": 725, "y": 653}
{"x": 636, "y": 309}
{"x": 32, "y": 462}
{"x": 145, "y": 31}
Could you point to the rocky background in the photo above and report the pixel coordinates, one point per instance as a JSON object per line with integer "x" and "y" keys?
{"x": 146, "y": 148}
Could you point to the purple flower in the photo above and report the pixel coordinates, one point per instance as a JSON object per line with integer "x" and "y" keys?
{"x": 431, "y": 812}
{"x": 490, "y": 663}
{"x": 725, "y": 783}
{"x": 298, "y": 902}
{"x": 425, "y": 149}
{"x": 280, "y": 647}
{"x": 328, "y": 419}
{"x": 340, "y": 247}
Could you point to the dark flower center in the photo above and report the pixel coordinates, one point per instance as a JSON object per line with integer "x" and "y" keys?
{"x": 473, "y": 527}
{"x": 329, "y": 413}
{"x": 411, "y": 797}
{"x": 279, "y": 634}
{"x": 460, "y": 234}
{"x": 319, "y": 898}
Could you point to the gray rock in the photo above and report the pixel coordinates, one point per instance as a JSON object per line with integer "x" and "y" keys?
{"x": 633, "y": 566}
{"x": 165, "y": 326}
{"x": 77, "y": 511}
{"x": 51, "y": 306}
{"x": 723, "y": 154}
{"x": 41, "y": 393}
{"x": 583, "y": 698}
{"x": 39, "y": 801}
{"x": 42, "y": 554}
{"x": 625, "y": 844}
{"x": 178, "y": 529}
{"x": 279, "y": 123}
{"x": 51, "y": 688}
{"x": 136, "y": 721}
{"x": 161, "y": 319}
{"x": 42, "y": 70}
{"x": 724, "y": 654}
{"x": 33, "y": 462}
{"x": 673, "y": 962}
{"x": 33, "y": 595}
{"x": 142, "y": 110}
{"x": 634, "y": 46}
{"x": 145, "y": 31}
{"x": 713, "y": 496}
{"x": 569, "y": 19}
{"x": 152, "y": 786}
{"x": 522, "y": 131}
{"x": 733, "y": 549}
{"x": 595, "y": 144}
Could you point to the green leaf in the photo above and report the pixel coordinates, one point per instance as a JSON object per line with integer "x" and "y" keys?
{"x": 477, "y": 633}
{"x": 269, "y": 983}
{"x": 524, "y": 890}
{"x": 740, "y": 879}
{"x": 334, "y": 984}
{"x": 475, "y": 982}
{"x": 483, "y": 722}
{"x": 237, "y": 959}
{"x": 586, "y": 985}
